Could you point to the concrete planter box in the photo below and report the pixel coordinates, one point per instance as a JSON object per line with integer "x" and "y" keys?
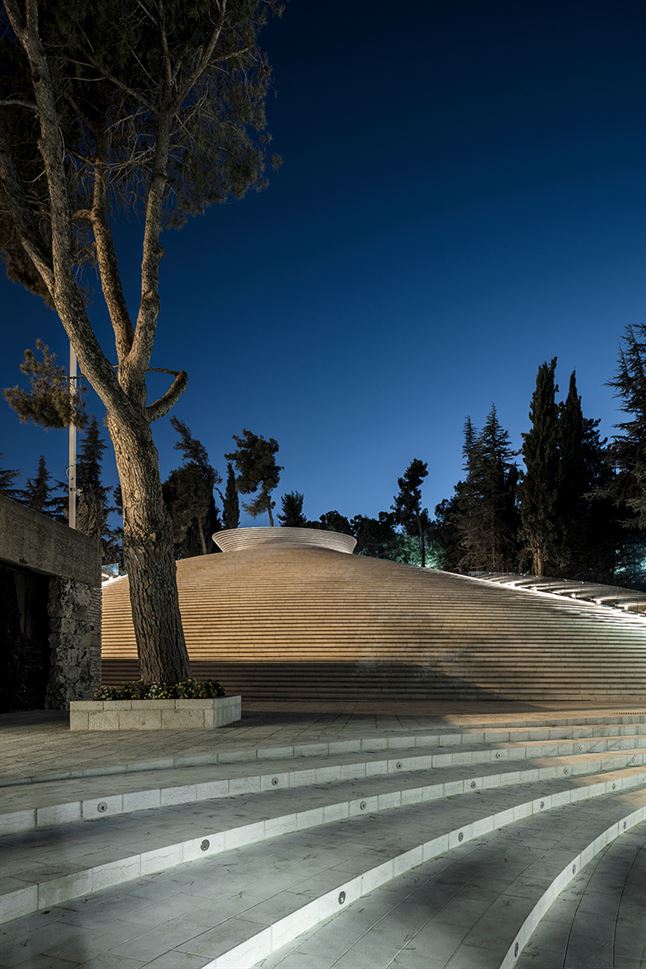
{"x": 154, "y": 714}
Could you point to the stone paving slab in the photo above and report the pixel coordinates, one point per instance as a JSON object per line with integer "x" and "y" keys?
{"x": 602, "y": 911}
{"x": 27, "y": 806}
{"x": 461, "y": 911}
{"x": 119, "y": 849}
{"x": 31, "y": 743}
{"x": 206, "y": 910}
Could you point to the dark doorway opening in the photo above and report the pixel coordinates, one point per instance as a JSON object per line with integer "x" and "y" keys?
{"x": 24, "y": 639}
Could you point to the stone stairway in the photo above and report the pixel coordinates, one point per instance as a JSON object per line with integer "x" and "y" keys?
{"x": 447, "y": 847}
{"x": 311, "y": 623}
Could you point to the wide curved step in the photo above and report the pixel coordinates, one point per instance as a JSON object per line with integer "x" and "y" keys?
{"x": 312, "y": 624}
{"x": 440, "y": 854}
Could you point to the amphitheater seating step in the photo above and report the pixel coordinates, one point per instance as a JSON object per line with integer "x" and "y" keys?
{"x": 312, "y": 624}
{"x": 456, "y": 861}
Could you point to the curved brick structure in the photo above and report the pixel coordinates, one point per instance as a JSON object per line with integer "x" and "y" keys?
{"x": 298, "y": 622}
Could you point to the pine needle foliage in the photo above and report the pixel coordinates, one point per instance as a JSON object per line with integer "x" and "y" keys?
{"x": 407, "y": 504}
{"x": 258, "y": 472}
{"x": 292, "y": 515}
{"x": 48, "y": 400}
{"x": 40, "y": 495}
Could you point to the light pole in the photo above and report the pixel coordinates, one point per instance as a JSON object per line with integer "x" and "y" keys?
{"x": 71, "y": 460}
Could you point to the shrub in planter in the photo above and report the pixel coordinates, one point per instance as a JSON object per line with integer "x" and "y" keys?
{"x": 189, "y": 689}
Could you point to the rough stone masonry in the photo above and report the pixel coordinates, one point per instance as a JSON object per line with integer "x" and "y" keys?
{"x": 33, "y": 542}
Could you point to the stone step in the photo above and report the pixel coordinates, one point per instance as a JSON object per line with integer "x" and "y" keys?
{"x": 602, "y": 908}
{"x": 84, "y": 858}
{"x": 226, "y": 915}
{"x": 24, "y": 808}
{"x": 468, "y": 908}
{"x": 393, "y": 630}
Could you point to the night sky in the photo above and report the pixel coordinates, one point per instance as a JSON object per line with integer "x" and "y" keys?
{"x": 463, "y": 196}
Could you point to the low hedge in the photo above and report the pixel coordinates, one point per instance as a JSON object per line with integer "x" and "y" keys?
{"x": 185, "y": 690}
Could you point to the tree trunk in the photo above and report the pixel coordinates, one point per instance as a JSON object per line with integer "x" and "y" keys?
{"x": 422, "y": 545}
{"x": 271, "y": 517}
{"x": 148, "y": 554}
{"x": 200, "y": 532}
{"x": 539, "y": 565}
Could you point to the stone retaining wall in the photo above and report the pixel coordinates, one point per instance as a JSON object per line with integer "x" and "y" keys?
{"x": 33, "y": 542}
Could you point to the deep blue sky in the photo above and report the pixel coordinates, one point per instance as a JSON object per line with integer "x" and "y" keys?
{"x": 463, "y": 196}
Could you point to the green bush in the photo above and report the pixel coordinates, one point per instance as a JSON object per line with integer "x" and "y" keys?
{"x": 189, "y": 689}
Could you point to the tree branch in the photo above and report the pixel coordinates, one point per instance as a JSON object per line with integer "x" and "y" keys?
{"x": 111, "y": 285}
{"x": 66, "y": 295}
{"x": 18, "y": 204}
{"x": 205, "y": 59}
{"x": 164, "y": 403}
{"x": 146, "y": 328}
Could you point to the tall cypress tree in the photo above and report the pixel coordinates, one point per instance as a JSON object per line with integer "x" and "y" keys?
{"x": 540, "y": 488}
{"x": 574, "y": 483}
{"x": 230, "y": 500}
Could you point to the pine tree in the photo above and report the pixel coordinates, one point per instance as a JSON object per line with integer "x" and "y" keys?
{"x": 486, "y": 506}
{"x": 157, "y": 108}
{"x": 292, "y": 510}
{"x": 407, "y": 504}
{"x": 376, "y": 537}
{"x": 188, "y": 495}
{"x": 540, "y": 488}
{"x": 258, "y": 472}
{"x": 230, "y": 501}
{"x": 629, "y": 447}
{"x": 7, "y": 481}
{"x": 38, "y": 493}
{"x": 47, "y": 401}
{"x": 332, "y": 521}
{"x": 93, "y": 506}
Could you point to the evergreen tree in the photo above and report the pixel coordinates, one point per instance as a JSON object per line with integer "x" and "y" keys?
{"x": 38, "y": 493}
{"x": 575, "y": 481}
{"x": 486, "y": 502}
{"x": 47, "y": 401}
{"x": 93, "y": 506}
{"x": 292, "y": 510}
{"x": 376, "y": 537}
{"x": 407, "y": 504}
{"x": 629, "y": 448}
{"x": 540, "y": 488}
{"x": 230, "y": 501}
{"x": 445, "y": 532}
{"x": 188, "y": 495}
{"x": 7, "y": 481}
{"x": 332, "y": 521}
{"x": 157, "y": 108}
{"x": 258, "y": 472}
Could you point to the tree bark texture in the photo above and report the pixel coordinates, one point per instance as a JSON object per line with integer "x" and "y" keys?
{"x": 149, "y": 558}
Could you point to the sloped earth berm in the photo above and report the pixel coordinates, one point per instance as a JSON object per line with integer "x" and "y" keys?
{"x": 455, "y": 849}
